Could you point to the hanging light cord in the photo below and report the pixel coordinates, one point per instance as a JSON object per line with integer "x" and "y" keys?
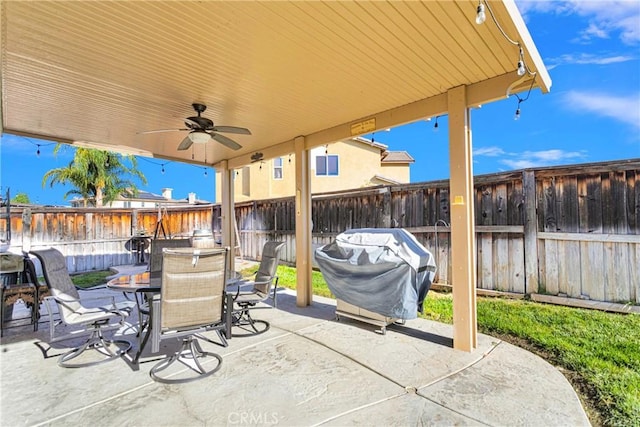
{"x": 509, "y": 39}
{"x": 521, "y": 100}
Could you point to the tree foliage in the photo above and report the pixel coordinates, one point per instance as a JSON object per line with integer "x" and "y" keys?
{"x": 98, "y": 177}
{"x": 21, "y": 198}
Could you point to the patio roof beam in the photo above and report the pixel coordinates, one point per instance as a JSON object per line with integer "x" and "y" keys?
{"x": 477, "y": 94}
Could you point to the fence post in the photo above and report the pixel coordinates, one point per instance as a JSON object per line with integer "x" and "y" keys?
{"x": 530, "y": 232}
{"x": 386, "y": 208}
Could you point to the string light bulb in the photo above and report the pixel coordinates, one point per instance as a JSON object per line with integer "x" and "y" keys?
{"x": 480, "y": 14}
{"x": 517, "y": 115}
{"x": 38, "y": 152}
{"x": 205, "y": 173}
{"x": 435, "y": 125}
{"x": 521, "y": 68}
{"x": 162, "y": 170}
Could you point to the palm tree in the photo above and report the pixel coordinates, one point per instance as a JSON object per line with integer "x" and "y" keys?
{"x": 96, "y": 174}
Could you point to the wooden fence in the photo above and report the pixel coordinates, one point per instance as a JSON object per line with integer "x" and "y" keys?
{"x": 96, "y": 239}
{"x": 568, "y": 231}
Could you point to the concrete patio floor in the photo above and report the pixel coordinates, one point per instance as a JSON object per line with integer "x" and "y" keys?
{"x": 307, "y": 369}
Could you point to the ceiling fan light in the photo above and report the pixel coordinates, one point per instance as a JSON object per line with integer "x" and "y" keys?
{"x": 199, "y": 137}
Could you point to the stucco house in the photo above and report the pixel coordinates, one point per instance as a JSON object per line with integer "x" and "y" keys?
{"x": 352, "y": 163}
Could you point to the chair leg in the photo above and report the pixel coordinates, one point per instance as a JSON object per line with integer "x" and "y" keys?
{"x": 189, "y": 354}
{"x": 242, "y": 319}
{"x": 96, "y": 342}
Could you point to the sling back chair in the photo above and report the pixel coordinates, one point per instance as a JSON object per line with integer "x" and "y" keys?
{"x": 250, "y": 293}
{"x": 191, "y": 302}
{"x": 155, "y": 270}
{"x": 74, "y": 312}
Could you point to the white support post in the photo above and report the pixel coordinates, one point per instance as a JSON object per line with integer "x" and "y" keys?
{"x": 463, "y": 244}
{"x": 304, "y": 293}
{"x": 227, "y": 210}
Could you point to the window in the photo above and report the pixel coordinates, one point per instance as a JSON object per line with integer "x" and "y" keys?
{"x": 277, "y": 168}
{"x": 327, "y": 165}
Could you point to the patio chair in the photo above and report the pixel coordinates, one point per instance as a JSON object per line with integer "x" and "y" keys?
{"x": 155, "y": 270}
{"x": 191, "y": 302}
{"x": 74, "y": 312}
{"x": 263, "y": 287}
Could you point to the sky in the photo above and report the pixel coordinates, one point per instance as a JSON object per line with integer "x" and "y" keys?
{"x": 592, "y": 113}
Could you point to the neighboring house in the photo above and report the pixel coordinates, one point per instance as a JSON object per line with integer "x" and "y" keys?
{"x": 145, "y": 199}
{"x": 353, "y": 163}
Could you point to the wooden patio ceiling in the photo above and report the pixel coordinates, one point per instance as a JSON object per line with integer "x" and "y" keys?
{"x": 101, "y": 72}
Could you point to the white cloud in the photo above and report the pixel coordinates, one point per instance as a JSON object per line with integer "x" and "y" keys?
{"x": 606, "y": 19}
{"x": 624, "y": 109}
{"x": 587, "y": 59}
{"x": 489, "y": 151}
{"x": 530, "y": 159}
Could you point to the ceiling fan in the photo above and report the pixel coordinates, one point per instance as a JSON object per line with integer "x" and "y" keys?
{"x": 201, "y": 130}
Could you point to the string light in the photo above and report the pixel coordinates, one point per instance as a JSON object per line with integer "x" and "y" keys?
{"x": 289, "y": 157}
{"x": 36, "y": 144}
{"x": 521, "y": 68}
{"x": 326, "y": 149}
{"x": 521, "y": 100}
{"x": 521, "y": 65}
{"x": 480, "y": 15}
{"x": 205, "y": 173}
{"x": 435, "y": 125}
{"x": 162, "y": 170}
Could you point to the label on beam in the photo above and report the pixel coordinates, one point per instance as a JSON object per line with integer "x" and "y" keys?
{"x": 363, "y": 127}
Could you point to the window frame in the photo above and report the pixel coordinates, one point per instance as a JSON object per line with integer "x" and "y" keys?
{"x": 327, "y": 170}
{"x": 275, "y": 167}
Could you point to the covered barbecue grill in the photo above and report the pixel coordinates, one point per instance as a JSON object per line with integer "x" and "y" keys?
{"x": 381, "y": 270}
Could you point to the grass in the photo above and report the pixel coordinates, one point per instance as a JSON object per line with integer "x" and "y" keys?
{"x": 601, "y": 349}
{"x": 599, "y": 352}
{"x": 91, "y": 279}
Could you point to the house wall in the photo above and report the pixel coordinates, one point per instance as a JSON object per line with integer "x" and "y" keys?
{"x": 357, "y": 165}
{"x": 395, "y": 171}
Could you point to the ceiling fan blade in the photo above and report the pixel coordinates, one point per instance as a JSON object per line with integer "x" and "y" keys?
{"x": 161, "y": 130}
{"x": 226, "y": 141}
{"x": 185, "y": 144}
{"x": 232, "y": 129}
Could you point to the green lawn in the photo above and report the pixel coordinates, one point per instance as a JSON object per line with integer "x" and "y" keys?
{"x": 601, "y": 350}
{"x": 91, "y": 279}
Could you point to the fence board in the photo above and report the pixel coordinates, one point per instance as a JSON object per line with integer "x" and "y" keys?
{"x": 592, "y": 272}
{"x": 485, "y": 260}
{"x": 516, "y": 264}
{"x": 552, "y": 271}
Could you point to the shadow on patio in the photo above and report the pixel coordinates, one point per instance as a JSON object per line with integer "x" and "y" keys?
{"x": 308, "y": 369}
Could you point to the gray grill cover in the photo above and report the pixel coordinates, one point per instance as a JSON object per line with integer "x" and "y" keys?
{"x": 384, "y": 270}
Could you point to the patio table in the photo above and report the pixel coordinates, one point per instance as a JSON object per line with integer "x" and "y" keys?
{"x": 150, "y": 285}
